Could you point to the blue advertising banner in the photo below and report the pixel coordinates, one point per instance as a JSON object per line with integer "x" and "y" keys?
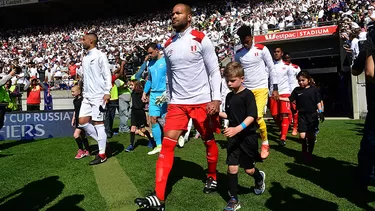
{"x": 37, "y": 125}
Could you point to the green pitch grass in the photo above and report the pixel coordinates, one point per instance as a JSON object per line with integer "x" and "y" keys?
{"x": 43, "y": 175}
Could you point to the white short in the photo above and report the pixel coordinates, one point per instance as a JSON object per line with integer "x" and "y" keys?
{"x": 90, "y": 107}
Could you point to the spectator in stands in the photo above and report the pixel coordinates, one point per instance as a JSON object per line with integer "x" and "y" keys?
{"x": 354, "y": 47}
{"x": 33, "y": 88}
{"x": 33, "y": 71}
{"x": 272, "y": 23}
{"x": 289, "y": 20}
{"x": 122, "y": 35}
{"x": 48, "y": 103}
{"x": 72, "y": 70}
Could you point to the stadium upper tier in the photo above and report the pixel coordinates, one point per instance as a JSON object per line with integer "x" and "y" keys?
{"x": 120, "y": 35}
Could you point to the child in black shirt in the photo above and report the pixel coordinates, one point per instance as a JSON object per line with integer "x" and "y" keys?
{"x": 79, "y": 134}
{"x": 242, "y": 148}
{"x": 138, "y": 115}
{"x": 308, "y": 103}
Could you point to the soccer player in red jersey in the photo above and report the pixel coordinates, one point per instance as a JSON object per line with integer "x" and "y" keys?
{"x": 281, "y": 109}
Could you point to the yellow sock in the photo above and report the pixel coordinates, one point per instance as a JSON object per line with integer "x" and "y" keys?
{"x": 262, "y": 129}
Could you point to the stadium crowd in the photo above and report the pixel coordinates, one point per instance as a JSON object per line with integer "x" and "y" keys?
{"x": 53, "y": 54}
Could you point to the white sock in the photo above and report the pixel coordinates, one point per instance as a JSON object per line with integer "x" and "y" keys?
{"x": 265, "y": 142}
{"x": 102, "y": 138}
{"x": 90, "y": 130}
{"x": 187, "y": 134}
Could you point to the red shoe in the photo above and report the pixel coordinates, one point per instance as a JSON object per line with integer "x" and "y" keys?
{"x": 80, "y": 154}
{"x": 87, "y": 153}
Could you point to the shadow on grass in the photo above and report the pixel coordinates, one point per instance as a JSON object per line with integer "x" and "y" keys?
{"x": 4, "y": 146}
{"x": 335, "y": 176}
{"x": 33, "y": 196}
{"x": 291, "y": 199}
{"x": 68, "y": 203}
{"x": 141, "y": 142}
{"x": 114, "y": 148}
{"x": 3, "y": 156}
{"x": 357, "y": 127}
{"x": 182, "y": 168}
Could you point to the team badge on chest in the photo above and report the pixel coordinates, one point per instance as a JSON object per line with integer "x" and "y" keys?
{"x": 193, "y": 48}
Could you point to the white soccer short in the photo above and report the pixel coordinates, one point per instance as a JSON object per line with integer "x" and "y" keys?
{"x": 90, "y": 107}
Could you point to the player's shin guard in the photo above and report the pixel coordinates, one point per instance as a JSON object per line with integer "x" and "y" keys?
{"x": 90, "y": 130}
{"x": 156, "y": 131}
{"x": 284, "y": 127}
{"x": 262, "y": 129}
{"x": 102, "y": 138}
{"x": 212, "y": 157}
{"x": 164, "y": 166}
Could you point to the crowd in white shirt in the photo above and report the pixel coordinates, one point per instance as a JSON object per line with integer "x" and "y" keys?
{"x": 48, "y": 50}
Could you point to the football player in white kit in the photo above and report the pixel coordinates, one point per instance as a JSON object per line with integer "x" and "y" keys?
{"x": 97, "y": 83}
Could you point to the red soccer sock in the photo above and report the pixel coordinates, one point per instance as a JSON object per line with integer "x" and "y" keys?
{"x": 290, "y": 118}
{"x": 212, "y": 157}
{"x": 164, "y": 166}
{"x": 295, "y": 120}
{"x": 284, "y": 127}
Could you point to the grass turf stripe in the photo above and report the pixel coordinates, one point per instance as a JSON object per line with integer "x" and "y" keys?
{"x": 115, "y": 186}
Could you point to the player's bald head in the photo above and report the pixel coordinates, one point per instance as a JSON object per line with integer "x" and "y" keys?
{"x": 187, "y": 8}
{"x": 181, "y": 17}
{"x": 93, "y": 37}
{"x": 89, "y": 41}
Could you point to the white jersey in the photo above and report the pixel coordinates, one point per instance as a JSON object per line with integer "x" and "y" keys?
{"x": 296, "y": 70}
{"x": 192, "y": 64}
{"x": 97, "y": 79}
{"x": 286, "y": 77}
{"x": 258, "y": 65}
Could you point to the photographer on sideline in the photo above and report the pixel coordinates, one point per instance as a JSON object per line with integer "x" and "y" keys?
{"x": 366, "y": 155}
{"x": 4, "y": 94}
